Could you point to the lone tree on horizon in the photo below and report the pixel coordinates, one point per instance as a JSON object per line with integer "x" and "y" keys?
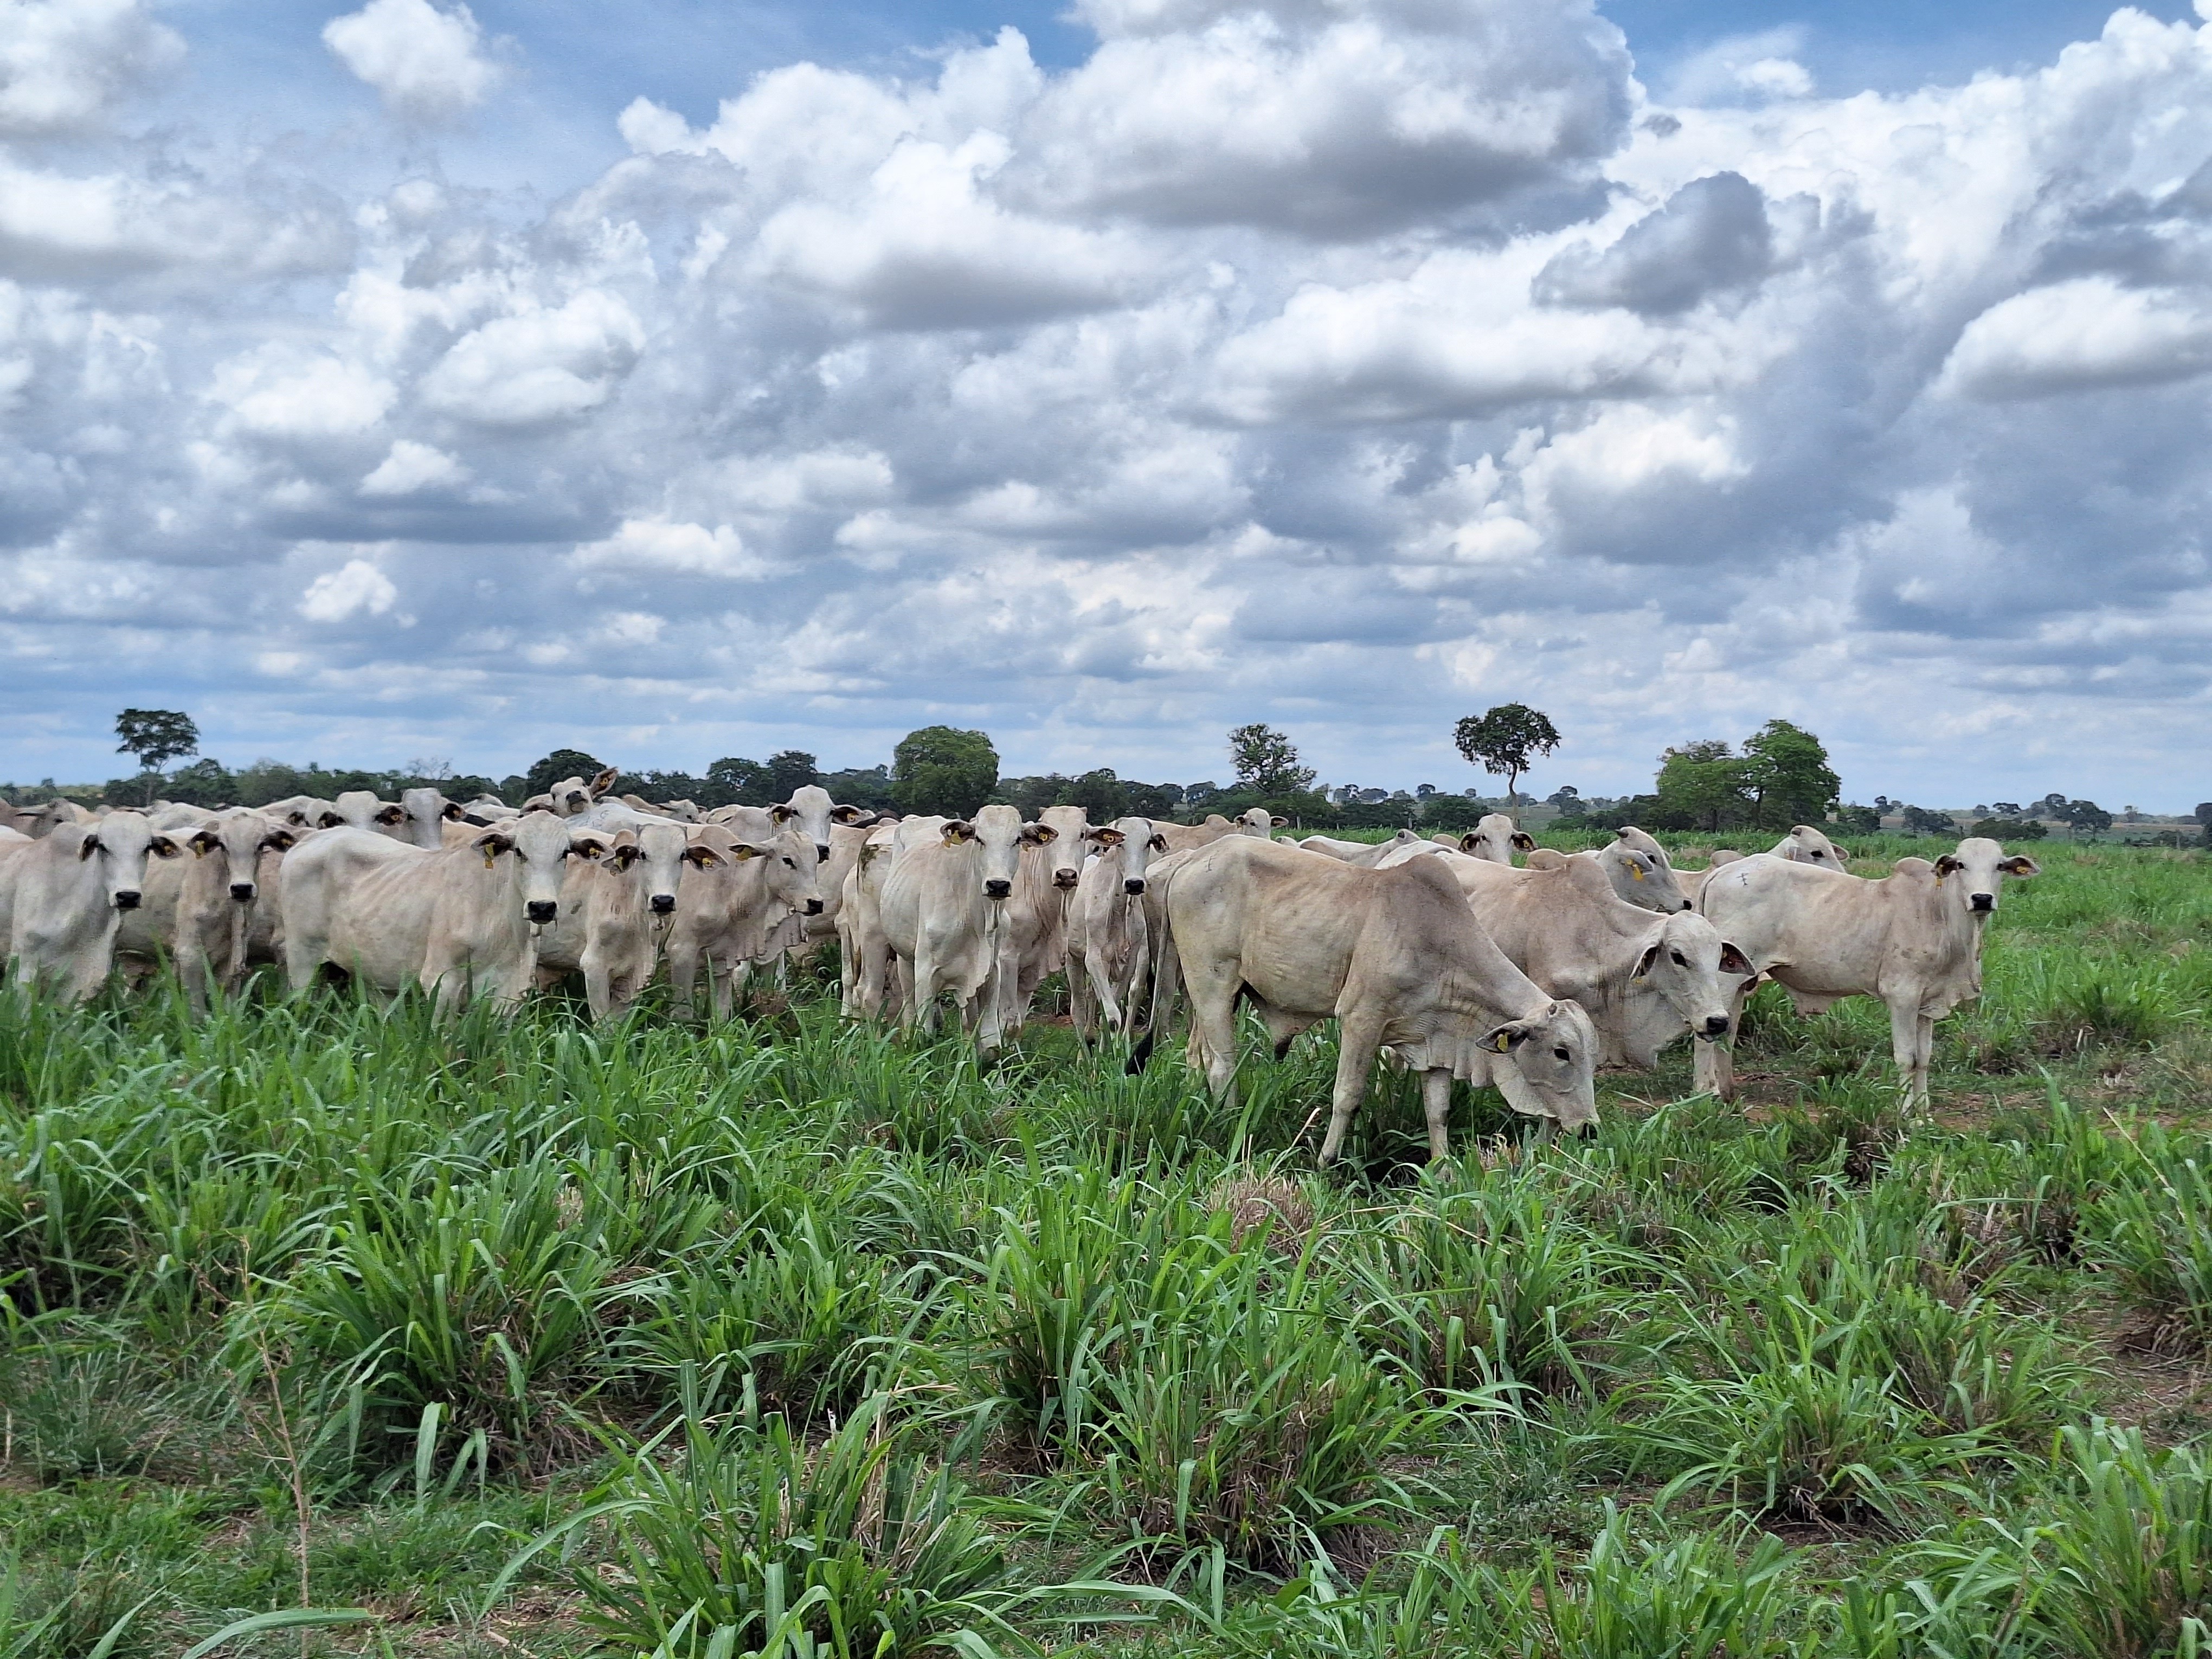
{"x": 1506, "y": 740}
{"x": 1266, "y": 761}
{"x": 155, "y": 735}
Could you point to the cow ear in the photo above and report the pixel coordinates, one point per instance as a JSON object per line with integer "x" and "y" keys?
{"x": 1636, "y": 865}
{"x": 280, "y": 838}
{"x": 956, "y": 831}
{"x": 329, "y": 821}
{"x": 1949, "y": 864}
{"x": 627, "y": 854}
{"x": 88, "y": 847}
{"x": 783, "y": 812}
{"x": 854, "y": 816}
{"x": 1469, "y": 842}
{"x": 600, "y": 785}
{"x": 1279, "y": 820}
{"x": 1104, "y": 835}
{"x": 392, "y": 815}
{"x": 451, "y": 812}
{"x": 1039, "y": 834}
{"x": 746, "y": 849}
{"x": 1507, "y": 1037}
{"x": 1651, "y": 954}
{"x": 203, "y": 843}
{"x": 161, "y": 846}
{"x": 703, "y": 858}
{"x": 2020, "y": 865}
{"x": 1734, "y": 962}
{"x": 1158, "y": 843}
{"x": 1523, "y": 841}
{"x": 587, "y": 847}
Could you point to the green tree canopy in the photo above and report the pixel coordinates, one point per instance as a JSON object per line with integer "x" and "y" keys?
{"x": 561, "y": 764}
{"x": 1506, "y": 741}
{"x": 942, "y": 769}
{"x": 1786, "y": 770}
{"x": 1703, "y": 786}
{"x": 787, "y": 770}
{"x": 1102, "y": 796}
{"x": 155, "y": 735}
{"x": 1266, "y": 762}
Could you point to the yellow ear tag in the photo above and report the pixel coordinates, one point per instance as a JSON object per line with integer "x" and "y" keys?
{"x": 1501, "y": 1042}
{"x": 489, "y": 854}
{"x": 1636, "y": 870}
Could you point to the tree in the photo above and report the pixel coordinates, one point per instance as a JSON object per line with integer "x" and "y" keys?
{"x": 1506, "y": 741}
{"x": 155, "y": 735}
{"x": 1703, "y": 786}
{"x": 1786, "y": 769}
{"x": 1266, "y": 762}
{"x": 2204, "y": 811}
{"x": 1857, "y": 820}
{"x": 788, "y": 770}
{"x": 942, "y": 769}
{"x": 1102, "y": 796}
{"x": 2086, "y": 817}
{"x": 1927, "y": 821}
{"x": 735, "y": 781}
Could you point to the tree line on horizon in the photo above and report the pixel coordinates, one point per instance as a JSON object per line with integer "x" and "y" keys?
{"x": 1778, "y": 776}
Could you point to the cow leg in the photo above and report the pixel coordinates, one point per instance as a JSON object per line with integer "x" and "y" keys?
{"x": 1910, "y": 1038}
{"x": 1357, "y": 1042}
{"x": 1213, "y": 1025}
{"x": 1099, "y": 972}
{"x": 599, "y": 986}
{"x": 1436, "y": 1105}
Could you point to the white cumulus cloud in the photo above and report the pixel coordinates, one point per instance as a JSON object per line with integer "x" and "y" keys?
{"x": 657, "y": 546}
{"x": 355, "y": 587}
{"x": 2081, "y": 334}
{"x": 411, "y": 467}
{"x": 423, "y": 60}
{"x": 63, "y": 63}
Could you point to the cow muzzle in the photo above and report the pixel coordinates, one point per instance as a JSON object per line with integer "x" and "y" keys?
{"x": 1134, "y": 885}
{"x": 542, "y": 911}
{"x": 822, "y": 851}
{"x": 814, "y": 907}
{"x": 1066, "y": 879}
{"x": 242, "y": 891}
{"x": 1716, "y": 1025}
{"x": 127, "y": 899}
{"x": 1983, "y": 902}
{"x": 998, "y": 890}
{"x": 663, "y": 904}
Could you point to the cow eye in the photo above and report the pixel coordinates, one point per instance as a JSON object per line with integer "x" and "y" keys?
{"x": 1677, "y": 955}
{"x": 1560, "y": 1054}
{"x": 791, "y": 864}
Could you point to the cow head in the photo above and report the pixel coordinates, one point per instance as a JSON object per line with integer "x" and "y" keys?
{"x": 659, "y": 851}
{"x": 787, "y": 867}
{"x": 1495, "y": 840}
{"x": 998, "y": 835}
{"x": 426, "y": 812}
{"x": 1976, "y": 869}
{"x": 1806, "y": 845}
{"x": 1638, "y": 868}
{"x": 1065, "y": 854}
{"x": 1554, "y": 1049}
{"x": 538, "y": 844}
{"x": 238, "y": 837}
{"x": 121, "y": 843}
{"x": 811, "y": 811}
{"x": 1696, "y": 971}
{"x": 1134, "y": 841}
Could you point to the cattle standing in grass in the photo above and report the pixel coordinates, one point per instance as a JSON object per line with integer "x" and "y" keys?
{"x": 867, "y": 967}
{"x": 202, "y": 910}
{"x": 1108, "y": 940}
{"x": 731, "y": 910}
{"x": 62, "y": 898}
{"x": 619, "y": 894}
{"x": 1393, "y": 955}
{"x": 1912, "y": 938}
{"x": 460, "y": 923}
{"x": 944, "y": 909}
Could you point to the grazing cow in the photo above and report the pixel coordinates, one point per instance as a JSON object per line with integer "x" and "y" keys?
{"x": 1495, "y": 840}
{"x": 617, "y": 893}
{"x": 944, "y": 907}
{"x": 202, "y": 910}
{"x": 572, "y": 796}
{"x": 1643, "y": 980}
{"x": 64, "y": 897}
{"x": 730, "y": 912}
{"x": 1394, "y": 956}
{"x": 1108, "y": 941}
{"x": 1912, "y": 938}
{"x": 460, "y": 923}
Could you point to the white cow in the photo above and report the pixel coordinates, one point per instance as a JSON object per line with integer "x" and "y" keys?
{"x": 731, "y": 911}
{"x": 1366, "y": 854}
{"x": 944, "y": 910}
{"x": 202, "y": 910}
{"x": 427, "y": 816}
{"x": 1188, "y": 837}
{"x": 1036, "y": 913}
{"x": 302, "y": 812}
{"x": 1644, "y": 980}
{"x": 1636, "y": 865}
{"x": 361, "y": 810}
{"x": 1495, "y": 840}
{"x": 1393, "y": 955}
{"x": 1109, "y": 943}
{"x": 1912, "y": 938}
{"x": 64, "y": 896}
{"x": 572, "y": 796}
{"x": 460, "y": 923}
{"x": 865, "y": 965}
{"x": 618, "y": 895}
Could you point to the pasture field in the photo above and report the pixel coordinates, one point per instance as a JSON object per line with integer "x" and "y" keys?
{"x": 784, "y": 1337}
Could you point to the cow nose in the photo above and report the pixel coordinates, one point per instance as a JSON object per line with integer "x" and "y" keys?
{"x": 127, "y": 899}
{"x": 663, "y": 904}
{"x": 242, "y": 891}
{"x": 1067, "y": 878}
{"x": 1985, "y": 901}
{"x": 543, "y": 910}
{"x": 997, "y": 889}
{"x": 822, "y": 852}
{"x": 1685, "y": 904}
{"x": 1134, "y": 885}
{"x": 1716, "y": 1025}
{"x": 814, "y": 907}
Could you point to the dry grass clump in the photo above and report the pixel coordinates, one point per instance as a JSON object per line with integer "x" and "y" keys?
{"x": 1270, "y": 1201}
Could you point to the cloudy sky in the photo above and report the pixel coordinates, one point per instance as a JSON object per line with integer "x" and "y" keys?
{"x": 686, "y": 378}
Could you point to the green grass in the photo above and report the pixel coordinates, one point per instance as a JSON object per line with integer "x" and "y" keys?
{"x": 785, "y": 1336}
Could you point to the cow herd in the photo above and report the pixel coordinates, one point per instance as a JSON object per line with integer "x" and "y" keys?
{"x": 1440, "y": 956}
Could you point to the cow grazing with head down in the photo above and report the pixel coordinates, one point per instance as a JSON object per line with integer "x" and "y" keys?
{"x": 461, "y": 922}
{"x": 1109, "y": 942}
{"x": 1636, "y": 865}
{"x": 62, "y": 898}
{"x": 1393, "y": 955}
{"x": 944, "y": 907}
{"x": 1912, "y": 938}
